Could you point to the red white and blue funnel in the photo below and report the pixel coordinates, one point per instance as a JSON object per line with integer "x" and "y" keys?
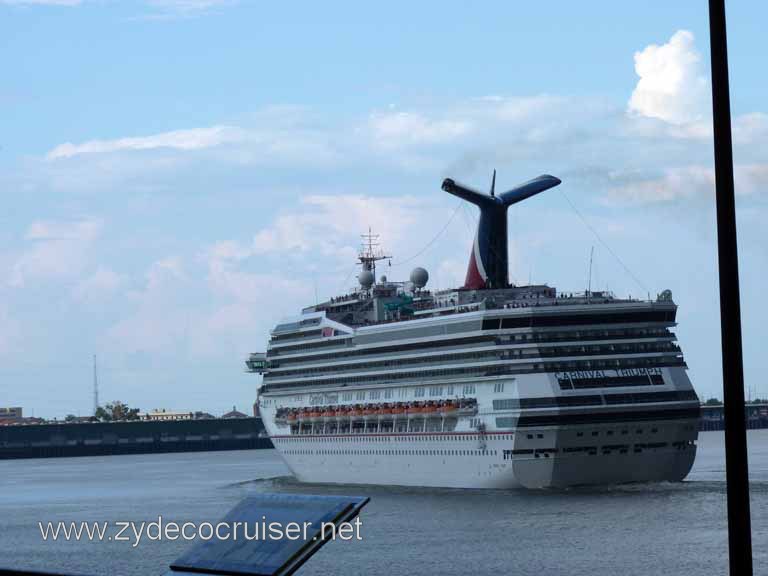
{"x": 488, "y": 263}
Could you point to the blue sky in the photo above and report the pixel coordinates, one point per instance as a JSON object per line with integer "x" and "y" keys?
{"x": 178, "y": 174}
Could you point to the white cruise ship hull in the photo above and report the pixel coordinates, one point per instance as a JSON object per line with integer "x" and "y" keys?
{"x": 609, "y": 445}
{"x": 451, "y": 463}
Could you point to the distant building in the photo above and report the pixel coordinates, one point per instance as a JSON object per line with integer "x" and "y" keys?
{"x": 14, "y": 413}
{"x": 155, "y": 415}
{"x": 234, "y": 414}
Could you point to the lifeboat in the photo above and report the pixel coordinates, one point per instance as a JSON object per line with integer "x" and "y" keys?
{"x": 341, "y": 411}
{"x": 430, "y": 408}
{"x": 398, "y": 408}
{"x": 448, "y": 407}
{"x": 370, "y": 410}
{"x": 356, "y": 410}
{"x": 385, "y": 409}
{"x": 291, "y": 416}
{"x": 414, "y": 408}
{"x": 328, "y": 412}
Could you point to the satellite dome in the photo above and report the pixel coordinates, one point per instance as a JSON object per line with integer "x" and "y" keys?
{"x": 366, "y": 278}
{"x": 419, "y": 277}
{"x": 383, "y": 279}
{"x": 666, "y": 296}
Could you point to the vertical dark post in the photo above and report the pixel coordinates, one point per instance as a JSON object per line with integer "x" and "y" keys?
{"x": 739, "y": 531}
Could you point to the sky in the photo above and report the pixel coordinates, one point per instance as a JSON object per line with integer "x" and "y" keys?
{"x": 177, "y": 175}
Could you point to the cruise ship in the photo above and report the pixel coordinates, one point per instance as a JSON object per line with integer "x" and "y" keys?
{"x": 489, "y": 385}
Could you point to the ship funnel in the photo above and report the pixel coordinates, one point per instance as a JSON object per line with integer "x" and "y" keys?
{"x": 488, "y": 263}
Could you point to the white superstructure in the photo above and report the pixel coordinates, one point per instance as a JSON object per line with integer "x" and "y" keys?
{"x": 479, "y": 388}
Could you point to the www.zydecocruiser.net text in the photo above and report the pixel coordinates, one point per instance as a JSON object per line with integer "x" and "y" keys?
{"x": 157, "y": 530}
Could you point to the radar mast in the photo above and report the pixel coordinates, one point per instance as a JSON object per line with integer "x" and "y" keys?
{"x": 371, "y": 252}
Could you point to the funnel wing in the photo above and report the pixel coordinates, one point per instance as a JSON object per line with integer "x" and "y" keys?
{"x": 530, "y": 188}
{"x": 468, "y": 194}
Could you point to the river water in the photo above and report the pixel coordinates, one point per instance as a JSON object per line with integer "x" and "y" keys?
{"x": 629, "y": 530}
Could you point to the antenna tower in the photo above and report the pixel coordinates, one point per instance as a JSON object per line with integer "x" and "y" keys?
{"x": 95, "y": 387}
{"x": 589, "y": 283}
{"x": 371, "y": 252}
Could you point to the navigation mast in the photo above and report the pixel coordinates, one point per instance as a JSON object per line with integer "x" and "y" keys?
{"x": 371, "y": 252}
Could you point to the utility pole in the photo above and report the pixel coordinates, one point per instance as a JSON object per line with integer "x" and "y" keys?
{"x": 95, "y": 387}
{"x": 589, "y": 283}
{"x": 736, "y": 461}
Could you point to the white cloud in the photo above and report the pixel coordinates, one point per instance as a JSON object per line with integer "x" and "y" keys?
{"x": 750, "y": 128}
{"x": 327, "y": 224}
{"x": 193, "y": 139}
{"x": 672, "y": 184}
{"x": 164, "y": 271}
{"x": 331, "y": 224}
{"x": 673, "y": 85}
{"x": 58, "y": 250}
{"x": 516, "y": 109}
{"x": 396, "y": 129}
{"x": 685, "y": 182}
{"x": 102, "y": 283}
{"x": 751, "y": 178}
{"x": 530, "y": 118}
{"x": 82, "y": 230}
{"x": 276, "y": 136}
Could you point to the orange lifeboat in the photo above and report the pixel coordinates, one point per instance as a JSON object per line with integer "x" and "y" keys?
{"x": 341, "y": 411}
{"x": 356, "y": 410}
{"x": 414, "y": 408}
{"x": 385, "y": 409}
{"x": 328, "y": 412}
{"x": 430, "y": 407}
{"x": 449, "y": 406}
{"x": 398, "y": 408}
{"x": 291, "y": 416}
{"x": 370, "y": 410}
